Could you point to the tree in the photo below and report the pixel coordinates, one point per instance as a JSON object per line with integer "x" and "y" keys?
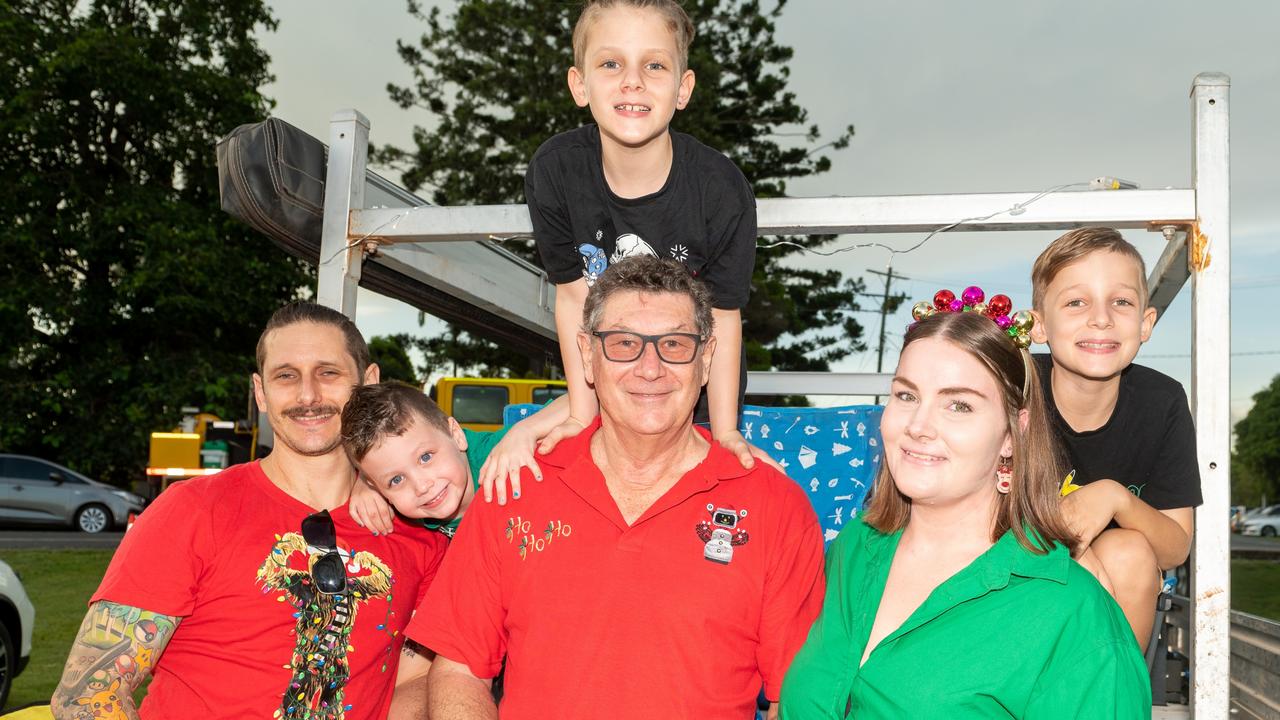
{"x": 125, "y": 292}
{"x": 1255, "y": 464}
{"x": 391, "y": 353}
{"x": 491, "y": 78}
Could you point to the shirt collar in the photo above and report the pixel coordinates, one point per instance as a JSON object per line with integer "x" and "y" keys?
{"x": 719, "y": 463}
{"x": 1008, "y": 557}
{"x": 1005, "y": 558}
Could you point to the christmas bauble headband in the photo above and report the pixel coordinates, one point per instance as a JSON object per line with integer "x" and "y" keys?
{"x": 1017, "y": 326}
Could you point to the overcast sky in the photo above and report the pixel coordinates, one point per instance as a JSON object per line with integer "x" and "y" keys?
{"x": 947, "y": 98}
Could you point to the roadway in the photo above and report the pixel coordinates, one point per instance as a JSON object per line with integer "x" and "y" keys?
{"x": 57, "y": 539}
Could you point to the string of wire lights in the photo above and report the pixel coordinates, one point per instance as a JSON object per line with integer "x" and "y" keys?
{"x": 1015, "y": 209}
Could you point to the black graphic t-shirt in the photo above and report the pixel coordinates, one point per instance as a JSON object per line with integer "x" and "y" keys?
{"x": 704, "y": 216}
{"x": 1148, "y": 445}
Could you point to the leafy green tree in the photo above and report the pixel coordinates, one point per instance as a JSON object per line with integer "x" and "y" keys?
{"x": 455, "y": 353}
{"x": 391, "y": 353}
{"x": 1255, "y": 464}
{"x": 490, "y": 78}
{"x": 125, "y": 293}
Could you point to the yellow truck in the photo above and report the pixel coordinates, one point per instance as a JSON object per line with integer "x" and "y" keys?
{"x": 477, "y": 403}
{"x": 202, "y": 445}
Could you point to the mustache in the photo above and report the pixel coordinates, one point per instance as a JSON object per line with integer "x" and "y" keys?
{"x": 310, "y": 411}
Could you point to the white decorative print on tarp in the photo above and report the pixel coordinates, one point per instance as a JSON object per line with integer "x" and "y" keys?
{"x": 836, "y": 481}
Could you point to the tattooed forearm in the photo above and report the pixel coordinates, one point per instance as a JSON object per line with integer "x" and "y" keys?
{"x": 114, "y": 650}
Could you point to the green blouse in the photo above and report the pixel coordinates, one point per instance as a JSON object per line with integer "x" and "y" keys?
{"x": 1013, "y": 635}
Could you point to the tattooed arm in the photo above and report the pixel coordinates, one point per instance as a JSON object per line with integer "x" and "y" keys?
{"x": 113, "y": 652}
{"x": 410, "y": 699}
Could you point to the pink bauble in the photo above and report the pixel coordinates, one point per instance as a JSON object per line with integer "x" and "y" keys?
{"x": 972, "y": 295}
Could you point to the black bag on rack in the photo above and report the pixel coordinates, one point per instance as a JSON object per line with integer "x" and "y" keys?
{"x": 271, "y": 176}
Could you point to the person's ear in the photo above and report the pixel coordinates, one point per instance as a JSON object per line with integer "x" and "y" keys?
{"x": 685, "y": 91}
{"x": 577, "y": 86}
{"x": 1037, "y": 330}
{"x": 1148, "y": 323}
{"x": 258, "y": 395}
{"x": 587, "y": 350}
{"x": 455, "y": 433}
{"x": 372, "y": 374}
{"x": 708, "y": 350}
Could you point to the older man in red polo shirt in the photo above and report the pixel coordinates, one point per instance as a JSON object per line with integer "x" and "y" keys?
{"x": 649, "y": 575}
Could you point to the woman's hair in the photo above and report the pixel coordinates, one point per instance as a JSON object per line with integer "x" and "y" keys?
{"x": 1032, "y": 503}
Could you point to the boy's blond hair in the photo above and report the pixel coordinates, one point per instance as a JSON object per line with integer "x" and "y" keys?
{"x": 1074, "y": 245}
{"x": 678, "y": 23}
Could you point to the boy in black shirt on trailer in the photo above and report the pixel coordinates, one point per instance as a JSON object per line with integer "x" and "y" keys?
{"x": 627, "y": 185}
{"x": 1126, "y": 428}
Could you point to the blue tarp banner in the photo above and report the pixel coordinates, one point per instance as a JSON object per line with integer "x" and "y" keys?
{"x": 833, "y": 453}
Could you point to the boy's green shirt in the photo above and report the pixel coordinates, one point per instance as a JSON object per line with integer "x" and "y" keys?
{"x": 479, "y": 445}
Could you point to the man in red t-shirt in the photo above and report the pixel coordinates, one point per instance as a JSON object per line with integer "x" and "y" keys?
{"x": 649, "y": 575}
{"x": 251, "y": 593}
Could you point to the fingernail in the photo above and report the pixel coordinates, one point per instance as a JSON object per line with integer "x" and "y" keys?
{"x": 375, "y": 532}
{"x": 515, "y": 495}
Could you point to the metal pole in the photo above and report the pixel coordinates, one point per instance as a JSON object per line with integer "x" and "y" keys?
{"x": 1209, "y": 258}
{"x": 339, "y": 269}
{"x": 884, "y": 311}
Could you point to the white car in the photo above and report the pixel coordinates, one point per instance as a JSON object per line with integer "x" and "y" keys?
{"x": 1263, "y": 521}
{"x": 17, "y": 617}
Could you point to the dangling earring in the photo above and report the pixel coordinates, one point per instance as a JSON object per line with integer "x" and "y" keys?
{"x": 1004, "y": 474}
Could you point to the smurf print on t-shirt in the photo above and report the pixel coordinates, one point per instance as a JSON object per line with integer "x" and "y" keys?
{"x": 593, "y": 258}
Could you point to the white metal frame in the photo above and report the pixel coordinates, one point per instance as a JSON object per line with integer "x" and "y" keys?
{"x": 422, "y": 242}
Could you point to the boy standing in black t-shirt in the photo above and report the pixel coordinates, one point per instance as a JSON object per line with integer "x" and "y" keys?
{"x": 627, "y": 185}
{"x": 1127, "y": 429}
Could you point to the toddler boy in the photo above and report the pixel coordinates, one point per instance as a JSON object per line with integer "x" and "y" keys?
{"x": 627, "y": 185}
{"x": 1126, "y": 429}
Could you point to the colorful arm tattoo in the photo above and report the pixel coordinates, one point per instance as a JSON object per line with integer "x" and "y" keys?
{"x": 114, "y": 650}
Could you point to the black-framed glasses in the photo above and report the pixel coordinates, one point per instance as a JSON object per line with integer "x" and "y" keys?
{"x": 625, "y": 346}
{"x": 328, "y": 572}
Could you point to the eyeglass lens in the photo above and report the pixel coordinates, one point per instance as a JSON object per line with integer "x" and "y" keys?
{"x": 626, "y": 347}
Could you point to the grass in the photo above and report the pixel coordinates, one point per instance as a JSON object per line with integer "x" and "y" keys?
{"x": 60, "y": 582}
{"x": 1255, "y": 587}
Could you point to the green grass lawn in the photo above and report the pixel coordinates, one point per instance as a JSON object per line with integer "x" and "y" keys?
{"x": 59, "y": 583}
{"x": 1255, "y": 587}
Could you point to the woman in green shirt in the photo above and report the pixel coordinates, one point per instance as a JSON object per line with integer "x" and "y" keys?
{"x": 954, "y": 594}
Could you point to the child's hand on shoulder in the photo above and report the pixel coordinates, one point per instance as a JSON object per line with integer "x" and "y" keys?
{"x": 501, "y": 469}
{"x": 565, "y": 430}
{"x": 1091, "y": 508}
{"x": 746, "y": 453}
{"x": 370, "y": 510}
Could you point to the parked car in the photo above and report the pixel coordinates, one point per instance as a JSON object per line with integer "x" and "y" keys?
{"x": 35, "y": 491}
{"x": 16, "y": 620}
{"x": 1263, "y": 521}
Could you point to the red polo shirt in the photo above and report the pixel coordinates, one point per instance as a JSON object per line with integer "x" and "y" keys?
{"x": 686, "y": 613}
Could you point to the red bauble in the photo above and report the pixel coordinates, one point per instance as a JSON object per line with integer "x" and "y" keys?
{"x": 999, "y": 305}
{"x": 942, "y": 300}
